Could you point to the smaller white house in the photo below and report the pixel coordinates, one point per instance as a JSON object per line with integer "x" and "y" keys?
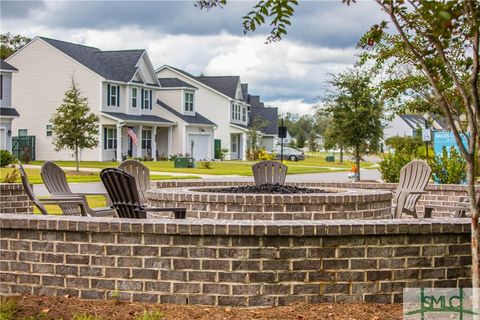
{"x": 406, "y": 125}
{"x": 7, "y": 112}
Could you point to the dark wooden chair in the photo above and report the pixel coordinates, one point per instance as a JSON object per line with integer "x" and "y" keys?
{"x": 70, "y": 201}
{"x": 414, "y": 178}
{"x": 123, "y": 192}
{"x": 56, "y": 183}
{"x": 141, "y": 174}
{"x": 269, "y": 172}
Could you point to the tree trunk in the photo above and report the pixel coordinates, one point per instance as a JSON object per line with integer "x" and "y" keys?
{"x": 357, "y": 163}
{"x": 474, "y": 211}
{"x": 341, "y": 154}
{"x": 76, "y": 160}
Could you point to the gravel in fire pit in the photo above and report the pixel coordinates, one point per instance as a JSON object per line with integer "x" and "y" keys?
{"x": 267, "y": 188}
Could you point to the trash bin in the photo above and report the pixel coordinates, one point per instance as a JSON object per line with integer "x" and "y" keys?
{"x": 183, "y": 162}
{"x": 330, "y": 158}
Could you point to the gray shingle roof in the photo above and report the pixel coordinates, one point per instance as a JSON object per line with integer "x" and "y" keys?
{"x": 245, "y": 91}
{"x": 112, "y": 65}
{"x": 131, "y": 117}
{"x": 9, "y": 112}
{"x": 196, "y": 119}
{"x": 174, "y": 83}
{"x": 224, "y": 84}
{"x": 6, "y": 66}
{"x": 414, "y": 121}
{"x": 255, "y": 102}
{"x": 268, "y": 114}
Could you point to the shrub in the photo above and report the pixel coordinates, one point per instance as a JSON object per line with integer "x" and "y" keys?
{"x": 449, "y": 168}
{"x": 26, "y": 157}
{"x": 391, "y": 165}
{"x": 8, "y": 309}
{"x": 206, "y": 164}
{"x": 6, "y": 158}
{"x": 223, "y": 153}
{"x": 264, "y": 155}
{"x": 407, "y": 145}
{"x": 422, "y": 153}
{"x": 11, "y": 177}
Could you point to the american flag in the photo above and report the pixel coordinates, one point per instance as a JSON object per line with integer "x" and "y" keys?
{"x": 132, "y": 135}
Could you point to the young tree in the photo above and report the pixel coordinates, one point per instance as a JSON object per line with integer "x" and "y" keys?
{"x": 356, "y": 112}
{"x": 300, "y": 139}
{"x": 254, "y": 135}
{"x": 312, "y": 142}
{"x": 74, "y": 126}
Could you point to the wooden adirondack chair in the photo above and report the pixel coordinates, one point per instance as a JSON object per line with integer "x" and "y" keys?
{"x": 414, "y": 178}
{"x": 141, "y": 174}
{"x": 269, "y": 172}
{"x": 56, "y": 183}
{"x": 71, "y": 201}
{"x": 123, "y": 192}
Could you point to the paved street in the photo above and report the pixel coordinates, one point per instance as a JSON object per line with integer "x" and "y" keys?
{"x": 95, "y": 187}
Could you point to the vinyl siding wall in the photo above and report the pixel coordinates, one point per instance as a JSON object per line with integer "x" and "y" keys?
{"x": 6, "y": 100}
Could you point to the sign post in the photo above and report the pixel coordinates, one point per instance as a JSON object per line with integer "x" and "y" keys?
{"x": 282, "y": 133}
{"x": 426, "y": 136}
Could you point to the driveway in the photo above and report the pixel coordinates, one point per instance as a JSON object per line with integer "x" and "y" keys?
{"x": 367, "y": 174}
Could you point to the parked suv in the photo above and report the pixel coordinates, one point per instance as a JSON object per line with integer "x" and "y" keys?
{"x": 289, "y": 154}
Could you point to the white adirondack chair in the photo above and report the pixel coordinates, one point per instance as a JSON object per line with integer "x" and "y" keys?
{"x": 414, "y": 178}
{"x": 269, "y": 172}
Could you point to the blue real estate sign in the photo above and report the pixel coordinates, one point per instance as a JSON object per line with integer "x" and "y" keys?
{"x": 446, "y": 139}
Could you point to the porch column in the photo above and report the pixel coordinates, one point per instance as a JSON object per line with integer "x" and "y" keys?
{"x": 101, "y": 143}
{"x": 154, "y": 143}
{"x": 139, "y": 144}
{"x": 119, "y": 142}
{"x": 170, "y": 141}
{"x": 244, "y": 146}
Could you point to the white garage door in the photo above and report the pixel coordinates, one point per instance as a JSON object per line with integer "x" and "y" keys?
{"x": 200, "y": 146}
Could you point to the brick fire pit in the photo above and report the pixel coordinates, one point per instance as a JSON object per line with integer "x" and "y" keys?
{"x": 337, "y": 203}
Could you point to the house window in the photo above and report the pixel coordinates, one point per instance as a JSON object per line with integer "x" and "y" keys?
{"x": 233, "y": 138}
{"x": 113, "y": 95}
{"x": 236, "y": 112}
{"x": 189, "y": 101}
{"x": 244, "y": 114}
{"x": 23, "y": 132}
{"x": 134, "y": 97}
{"x": 110, "y": 138}
{"x": 146, "y": 139}
{"x": 146, "y": 99}
{"x": 48, "y": 130}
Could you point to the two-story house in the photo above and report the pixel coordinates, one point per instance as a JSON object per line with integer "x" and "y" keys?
{"x": 220, "y": 100}
{"x": 7, "y": 112}
{"x": 121, "y": 88}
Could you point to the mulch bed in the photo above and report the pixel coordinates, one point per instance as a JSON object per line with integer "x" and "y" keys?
{"x": 266, "y": 189}
{"x": 66, "y": 308}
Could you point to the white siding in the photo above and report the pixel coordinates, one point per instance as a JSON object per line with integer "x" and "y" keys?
{"x": 172, "y": 97}
{"x": 397, "y": 127}
{"x": 6, "y": 101}
{"x": 38, "y": 90}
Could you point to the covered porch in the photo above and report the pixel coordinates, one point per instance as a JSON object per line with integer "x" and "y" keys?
{"x": 238, "y": 142}
{"x": 123, "y": 136}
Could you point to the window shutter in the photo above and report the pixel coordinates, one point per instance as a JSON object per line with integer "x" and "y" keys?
{"x": 143, "y": 102}
{"x": 118, "y": 96}
{"x": 108, "y": 94}
{"x": 150, "y": 100}
{"x": 104, "y": 138}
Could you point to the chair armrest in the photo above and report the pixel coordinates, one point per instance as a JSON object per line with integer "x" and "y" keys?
{"x": 415, "y": 191}
{"x": 165, "y": 209}
{"x": 62, "y": 199}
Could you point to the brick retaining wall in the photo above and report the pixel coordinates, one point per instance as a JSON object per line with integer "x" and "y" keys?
{"x": 14, "y": 200}
{"x": 240, "y": 263}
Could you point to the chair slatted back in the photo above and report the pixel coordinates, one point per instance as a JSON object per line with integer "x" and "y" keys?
{"x": 122, "y": 190}
{"x": 413, "y": 177}
{"x": 271, "y": 172}
{"x": 141, "y": 174}
{"x": 29, "y": 191}
{"x": 56, "y": 183}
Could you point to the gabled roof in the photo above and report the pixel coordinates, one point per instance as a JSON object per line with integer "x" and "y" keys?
{"x": 414, "y": 121}
{"x": 268, "y": 114}
{"x": 6, "y": 66}
{"x": 113, "y": 65}
{"x": 135, "y": 118}
{"x": 225, "y": 84}
{"x": 191, "y": 119}
{"x": 174, "y": 83}
{"x": 245, "y": 91}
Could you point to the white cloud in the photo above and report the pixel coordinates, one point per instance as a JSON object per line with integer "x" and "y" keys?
{"x": 297, "y": 106}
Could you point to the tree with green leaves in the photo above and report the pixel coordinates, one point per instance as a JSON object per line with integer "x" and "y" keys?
{"x": 254, "y": 136}
{"x": 74, "y": 126}
{"x": 356, "y": 112}
{"x": 300, "y": 139}
{"x": 9, "y": 44}
{"x": 437, "y": 42}
{"x": 312, "y": 142}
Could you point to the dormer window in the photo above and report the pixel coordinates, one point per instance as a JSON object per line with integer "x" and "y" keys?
{"x": 146, "y": 99}
{"x": 134, "y": 97}
{"x": 236, "y": 113}
{"x": 113, "y": 95}
{"x": 188, "y": 101}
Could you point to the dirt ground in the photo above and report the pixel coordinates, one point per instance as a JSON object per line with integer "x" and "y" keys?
{"x": 66, "y": 308}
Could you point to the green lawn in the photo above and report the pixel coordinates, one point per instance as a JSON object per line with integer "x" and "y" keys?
{"x": 35, "y": 178}
{"x": 243, "y": 168}
{"x": 93, "y": 202}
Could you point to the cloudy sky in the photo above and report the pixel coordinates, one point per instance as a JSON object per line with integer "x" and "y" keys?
{"x": 290, "y": 74}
